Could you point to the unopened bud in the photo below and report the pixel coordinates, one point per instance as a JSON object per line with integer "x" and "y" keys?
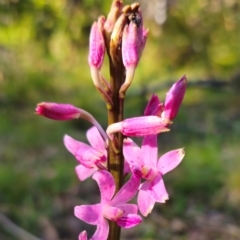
{"x": 133, "y": 42}
{"x": 96, "y": 50}
{"x": 96, "y": 44}
{"x": 63, "y": 111}
{"x": 113, "y": 15}
{"x": 58, "y": 111}
{"x": 116, "y": 38}
{"x": 154, "y": 107}
{"x": 174, "y": 98}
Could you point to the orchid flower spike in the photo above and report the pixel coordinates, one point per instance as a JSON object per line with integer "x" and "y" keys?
{"x": 143, "y": 164}
{"x": 91, "y": 158}
{"x": 112, "y": 208}
{"x": 174, "y": 98}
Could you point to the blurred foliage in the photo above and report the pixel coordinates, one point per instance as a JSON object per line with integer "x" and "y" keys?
{"x": 43, "y": 57}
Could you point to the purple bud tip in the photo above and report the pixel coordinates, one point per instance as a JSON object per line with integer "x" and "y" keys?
{"x": 57, "y": 111}
{"x": 174, "y": 98}
{"x": 154, "y": 107}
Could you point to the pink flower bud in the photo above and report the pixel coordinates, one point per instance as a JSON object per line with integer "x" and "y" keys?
{"x": 96, "y": 44}
{"x": 139, "y": 126}
{"x": 131, "y": 45}
{"x": 154, "y": 106}
{"x": 133, "y": 42}
{"x": 174, "y": 98}
{"x": 58, "y": 111}
{"x": 63, "y": 111}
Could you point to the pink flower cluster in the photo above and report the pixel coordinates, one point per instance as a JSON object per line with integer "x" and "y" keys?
{"x": 141, "y": 163}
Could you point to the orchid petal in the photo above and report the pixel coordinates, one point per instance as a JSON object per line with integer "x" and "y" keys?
{"x": 136, "y": 170}
{"x": 159, "y": 191}
{"x": 128, "y": 208}
{"x": 84, "y": 172}
{"x": 71, "y": 144}
{"x": 106, "y": 185}
{"x": 170, "y": 160}
{"x": 101, "y": 231}
{"x": 112, "y": 213}
{"x": 83, "y": 235}
{"x": 127, "y": 191}
{"x": 90, "y": 214}
{"x": 145, "y": 125}
{"x": 154, "y": 106}
{"x": 95, "y": 139}
{"x": 126, "y": 167}
{"x": 132, "y": 152}
{"x": 174, "y": 98}
{"x": 145, "y": 201}
{"x": 150, "y": 150}
{"x": 131, "y": 220}
{"x": 89, "y": 156}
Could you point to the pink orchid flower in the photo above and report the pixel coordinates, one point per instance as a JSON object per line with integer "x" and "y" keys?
{"x": 110, "y": 208}
{"x": 91, "y": 157}
{"x": 143, "y": 163}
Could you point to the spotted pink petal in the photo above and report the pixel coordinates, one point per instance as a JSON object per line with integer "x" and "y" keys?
{"x": 150, "y": 150}
{"x": 84, "y": 172}
{"x": 91, "y": 214}
{"x": 95, "y": 139}
{"x": 132, "y": 152}
{"x": 90, "y": 157}
{"x": 128, "y": 221}
{"x": 127, "y": 191}
{"x": 145, "y": 202}
{"x": 170, "y": 160}
{"x": 106, "y": 185}
{"x": 96, "y": 44}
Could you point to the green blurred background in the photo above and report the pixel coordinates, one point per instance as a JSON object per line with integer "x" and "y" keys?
{"x": 43, "y": 57}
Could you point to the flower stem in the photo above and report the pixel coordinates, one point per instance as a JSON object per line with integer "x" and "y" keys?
{"x": 115, "y": 158}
